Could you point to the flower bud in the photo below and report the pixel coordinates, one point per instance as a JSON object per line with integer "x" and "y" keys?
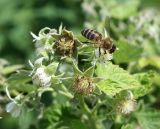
{"x": 66, "y": 44}
{"x": 84, "y": 85}
{"x": 41, "y": 78}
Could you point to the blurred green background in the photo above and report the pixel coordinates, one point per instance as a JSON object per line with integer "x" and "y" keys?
{"x": 19, "y": 17}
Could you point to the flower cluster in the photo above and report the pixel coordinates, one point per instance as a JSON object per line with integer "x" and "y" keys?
{"x": 52, "y": 46}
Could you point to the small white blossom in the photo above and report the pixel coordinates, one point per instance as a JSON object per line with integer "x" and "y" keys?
{"x": 127, "y": 105}
{"x": 103, "y": 57}
{"x": 13, "y": 108}
{"x": 43, "y": 41}
{"x": 41, "y": 78}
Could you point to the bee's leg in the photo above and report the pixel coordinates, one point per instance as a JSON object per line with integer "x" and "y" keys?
{"x": 71, "y": 52}
{"x": 105, "y": 52}
{"x": 99, "y": 51}
{"x": 87, "y": 42}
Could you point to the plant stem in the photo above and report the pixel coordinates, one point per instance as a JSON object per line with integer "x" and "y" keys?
{"x": 94, "y": 110}
{"x": 83, "y": 105}
{"x": 91, "y": 117}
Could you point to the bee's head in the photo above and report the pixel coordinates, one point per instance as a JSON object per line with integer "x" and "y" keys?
{"x": 113, "y": 48}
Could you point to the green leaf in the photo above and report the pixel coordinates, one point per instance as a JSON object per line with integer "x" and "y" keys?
{"x": 39, "y": 62}
{"x": 21, "y": 76}
{"x": 52, "y": 68}
{"x": 10, "y": 69}
{"x": 68, "y": 71}
{"x": 148, "y": 119}
{"x": 76, "y": 124}
{"x": 156, "y": 79}
{"x": 89, "y": 72}
{"x": 23, "y": 87}
{"x": 66, "y": 32}
{"x": 153, "y": 61}
{"x": 69, "y": 119}
{"x": 128, "y": 126}
{"x": 25, "y": 119}
{"x": 127, "y": 52}
{"x": 77, "y": 71}
{"x": 97, "y": 91}
{"x": 117, "y": 79}
{"x": 65, "y": 68}
{"x": 19, "y": 81}
{"x": 86, "y": 49}
{"x": 146, "y": 84}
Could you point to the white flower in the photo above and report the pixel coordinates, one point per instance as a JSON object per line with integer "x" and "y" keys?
{"x": 102, "y": 56}
{"x": 41, "y": 78}
{"x": 127, "y": 106}
{"x": 13, "y": 108}
{"x": 43, "y": 42}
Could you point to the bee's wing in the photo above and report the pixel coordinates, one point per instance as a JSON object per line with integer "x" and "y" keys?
{"x": 106, "y": 33}
{"x": 107, "y": 27}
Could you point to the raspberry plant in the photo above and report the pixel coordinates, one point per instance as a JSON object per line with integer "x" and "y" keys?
{"x": 69, "y": 86}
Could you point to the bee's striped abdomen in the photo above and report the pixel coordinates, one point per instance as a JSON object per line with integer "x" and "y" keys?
{"x": 91, "y": 34}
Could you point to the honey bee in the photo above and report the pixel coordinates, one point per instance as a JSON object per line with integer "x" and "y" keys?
{"x": 105, "y": 43}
